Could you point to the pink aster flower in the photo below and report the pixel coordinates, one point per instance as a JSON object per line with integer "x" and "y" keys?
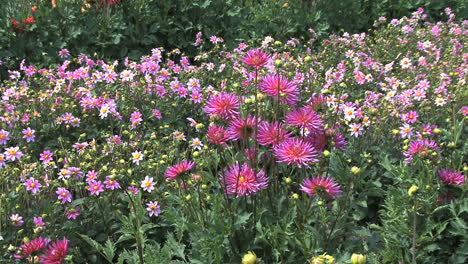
{"x": 46, "y": 157}
{"x": 321, "y": 186}
{"x": 278, "y": 86}
{"x": 196, "y": 97}
{"x": 63, "y": 195}
{"x": 111, "y": 183}
{"x": 355, "y": 129}
{"x": 449, "y": 176}
{"x": 410, "y": 117}
{"x": 463, "y": 110}
{"x": 147, "y": 184}
{"x": 55, "y": 253}
{"x": 91, "y": 176}
{"x": 13, "y": 153}
{"x": 423, "y": 148}
{"x": 255, "y": 58}
{"x": 406, "y": 131}
{"x": 96, "y": 188}
{"x": 157, "y": 114}
{"x": 271, "y": 133}
{"x": 38, "y": 222}
{"x": 72, "y": 213}
{"x": 32, "y": 185}
{"x": 240, "y": 180}
{"x": 29, "y": 134}
{"x": 173, "y": 172}
{"x": 133, "y": 190}
{"x": 136, "y": 119}
{"x": 224, "y": 105}
{"x": 217, "y": 134}
{"x": 153, "y": 208}
{"x": 296, "y": 151}
{"x": 305, "y": 117}
{"x": 16, "y": 220}
{"x": 241, "y": 128}
{"x": 4, "y": 137}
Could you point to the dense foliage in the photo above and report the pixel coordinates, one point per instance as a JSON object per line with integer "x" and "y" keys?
{"x": 114, "y": 29}
{"x": 266, "y": 151}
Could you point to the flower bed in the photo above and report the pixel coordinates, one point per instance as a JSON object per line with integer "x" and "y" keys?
{"x": 268, "y": 151}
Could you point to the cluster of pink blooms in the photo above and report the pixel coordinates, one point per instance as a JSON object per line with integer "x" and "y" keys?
{"x": 52, "y": 253}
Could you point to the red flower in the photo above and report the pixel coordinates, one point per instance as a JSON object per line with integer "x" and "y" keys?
{"x": 322, "y": 186}
{"x": 56, "y": 252}
{"x": 255, "y": 58}
{"x": 34, "y": 9}
{"x": 30, "y": 20}
{"x": 296, "y": 151}
{"x": 32, "y": 246}
{"x": 178, "y": 169}
{"x": 217, "y": 135}
{"x": 271, "y": 133}
{"x": 278, "y": 86}
{"x": 242, "y": 181}
{"x": 224, "y": 105}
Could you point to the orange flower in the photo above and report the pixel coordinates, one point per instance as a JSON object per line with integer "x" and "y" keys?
{"x": 53, "y": 3}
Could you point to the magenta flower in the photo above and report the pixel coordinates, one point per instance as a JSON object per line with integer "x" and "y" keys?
{"x": 321, "y": 186}
{"x": 423, "y": 148}
{"x": 96, "y": 188}
{"x": 136, "y": 119}
{"x": 173, "y": 172}
{"x": 255, "y": 58}
{"x": 153, "y": 208}
{"x": 271, "y": 133}
{"x": 63, "y": 195}
{"x": 224, "y": 105}
{"x": 38, "y": 221}
{"x": 111, "y": 183}
{"x": 241, "y": 128}
{"x": 217, "y": 135}
{"x": 449, "y": 176}
{"x": 46, "y": 156}
{"x": 305, "y": 117}
{"x": 296, "y": 151}
{"x": 32, "y": 185}
{"x": 55, "y": 253}
{"x": 240, "y": 180}
{"x": 29, "y": 134}
{"x": 72, "y": 213}
{"x": 91, "y": 176}
{"x": 157, "y": 114}
{"x": 278, "y": 86}
{"x": 463, "y": 110}
{"x": 31, "y": 247}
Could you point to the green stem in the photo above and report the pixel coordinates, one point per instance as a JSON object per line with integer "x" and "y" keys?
{"x": 413, "y": 250}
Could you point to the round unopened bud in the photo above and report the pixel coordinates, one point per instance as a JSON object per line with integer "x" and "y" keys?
{"x": 412, "y": 190}
{"x": 355, "y": 170}
{"x": 358, "y": 259}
